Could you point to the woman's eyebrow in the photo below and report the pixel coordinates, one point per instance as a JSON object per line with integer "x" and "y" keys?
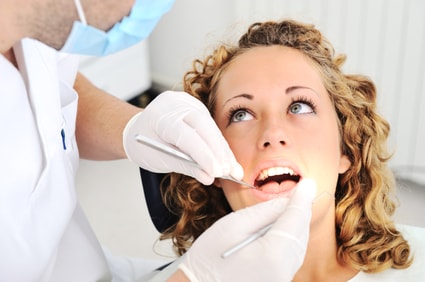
{"x": 294, "y": 88}
{"x": 251, "y": 97}
{"x": 243, "y": 95}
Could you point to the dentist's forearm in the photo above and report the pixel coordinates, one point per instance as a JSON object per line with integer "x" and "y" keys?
{"x": 101, "y": 119}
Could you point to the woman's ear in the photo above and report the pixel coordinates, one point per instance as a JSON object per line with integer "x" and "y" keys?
{"x": 344, "y": 164}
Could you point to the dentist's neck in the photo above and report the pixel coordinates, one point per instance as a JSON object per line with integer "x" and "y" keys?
{"x": 10, "y": 56}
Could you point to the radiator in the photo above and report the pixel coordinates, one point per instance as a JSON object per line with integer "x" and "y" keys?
{"x": 383, "y": 39}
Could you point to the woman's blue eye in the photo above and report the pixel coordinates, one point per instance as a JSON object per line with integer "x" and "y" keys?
{"x": 301, "y": 108}
{"x": 240, "y": 115}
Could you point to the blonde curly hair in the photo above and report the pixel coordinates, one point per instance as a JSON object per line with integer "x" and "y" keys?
{"x": 366, "y": 235}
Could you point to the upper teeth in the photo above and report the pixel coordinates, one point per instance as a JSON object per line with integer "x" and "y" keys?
{"x": 265, "y": 173}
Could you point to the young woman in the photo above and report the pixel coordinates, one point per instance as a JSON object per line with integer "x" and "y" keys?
{"x": 288, "y": 112}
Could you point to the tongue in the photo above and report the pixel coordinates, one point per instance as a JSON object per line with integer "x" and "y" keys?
{"x": 274, "y": 187}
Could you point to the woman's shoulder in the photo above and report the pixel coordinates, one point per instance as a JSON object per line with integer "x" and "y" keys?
{"x": 415, "y": 236}
{"x": 412, "y": 232}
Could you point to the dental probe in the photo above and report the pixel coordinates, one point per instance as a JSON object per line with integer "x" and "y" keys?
{"x": 179, "y": 154}
{"x": 261, "y": 232}
{"x": 247, "y": 241}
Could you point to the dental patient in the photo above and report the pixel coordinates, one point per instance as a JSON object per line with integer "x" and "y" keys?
{"x": 289, "y": 113}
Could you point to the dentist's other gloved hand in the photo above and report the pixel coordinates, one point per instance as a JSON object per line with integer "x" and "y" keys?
{"x": 183, "y": 121}
{"x": 276, "y": 256}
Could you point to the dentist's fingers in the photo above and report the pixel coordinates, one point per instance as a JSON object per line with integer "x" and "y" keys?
{"x": 295, "y": 221}
{"x": 180, "y": 120}
{"x": 217, "y": 144}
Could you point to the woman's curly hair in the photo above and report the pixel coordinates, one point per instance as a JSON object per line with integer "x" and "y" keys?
{"x": 367, "y": 237}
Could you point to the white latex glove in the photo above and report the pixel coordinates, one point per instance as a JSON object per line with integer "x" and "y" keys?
{"x": 182, "y": 120}
{"x": 276, "y": 256}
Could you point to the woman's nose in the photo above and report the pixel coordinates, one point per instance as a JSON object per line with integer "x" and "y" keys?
{"x": 273, "y": 135}
{"x": 273, "y": 143}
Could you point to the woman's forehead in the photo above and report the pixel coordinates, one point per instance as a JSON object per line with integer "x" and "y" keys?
{"x": 270, "y": 65}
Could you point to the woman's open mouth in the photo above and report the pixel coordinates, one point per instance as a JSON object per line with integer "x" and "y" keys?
{"x": 276, "y": 180}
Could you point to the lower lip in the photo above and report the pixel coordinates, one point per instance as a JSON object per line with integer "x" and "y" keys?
{"x": 274, "y": 190}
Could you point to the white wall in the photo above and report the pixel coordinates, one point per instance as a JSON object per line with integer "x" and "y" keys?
{"x": 384, "y": 39}
{"x": 183, "y": 34}
{"x": 124, "y": 74}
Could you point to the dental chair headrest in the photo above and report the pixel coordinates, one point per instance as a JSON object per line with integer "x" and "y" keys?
{"x": 161, "y": 217}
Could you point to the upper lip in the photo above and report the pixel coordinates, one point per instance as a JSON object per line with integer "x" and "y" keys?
{"x": 277, "y": 168}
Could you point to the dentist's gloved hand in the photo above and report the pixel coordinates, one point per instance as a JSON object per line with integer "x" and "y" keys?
{"x": 276, "y": 256}
{"x": 179, "y": 119}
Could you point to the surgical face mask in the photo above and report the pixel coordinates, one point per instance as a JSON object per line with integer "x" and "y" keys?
{"x": 88, "y": 40}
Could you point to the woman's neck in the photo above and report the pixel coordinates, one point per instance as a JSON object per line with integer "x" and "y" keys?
{"x": 320, "y": 262}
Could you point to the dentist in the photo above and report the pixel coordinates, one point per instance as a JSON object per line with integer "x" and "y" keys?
{"x": 47, "y": 108}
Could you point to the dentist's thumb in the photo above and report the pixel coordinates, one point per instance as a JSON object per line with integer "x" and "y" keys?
{"x": 291, "y": 230}
{"x": 297, "y": 213}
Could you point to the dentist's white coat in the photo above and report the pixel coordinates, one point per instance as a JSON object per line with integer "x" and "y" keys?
{"x": 44, "y": 236}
